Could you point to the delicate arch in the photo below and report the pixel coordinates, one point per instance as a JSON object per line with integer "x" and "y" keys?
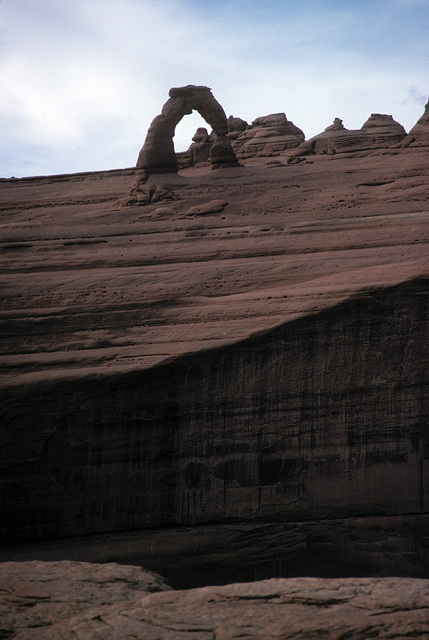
{"x": 158, "y": 154}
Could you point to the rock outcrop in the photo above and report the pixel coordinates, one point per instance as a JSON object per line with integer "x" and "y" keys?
{"x": 419, "y": 134}
{"x": 378, "y": 132}
{"x": 267, "y": 136}
{"x": 147, "y": 189}
{"x": 274, "y": 135}
{"x": 157, "y": 153}
{"x": 92, "y": 605}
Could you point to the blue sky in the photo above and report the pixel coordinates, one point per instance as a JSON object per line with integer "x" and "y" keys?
{"x": 81, "y": 80}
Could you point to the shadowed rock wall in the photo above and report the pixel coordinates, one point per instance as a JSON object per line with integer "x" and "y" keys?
{"x": 321, "y": 417}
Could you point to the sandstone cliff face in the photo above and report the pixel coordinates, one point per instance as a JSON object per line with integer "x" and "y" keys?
{"x": 223, "y": 553}
{"x": 320, "y": 417}
{"x": 249, "y": 350}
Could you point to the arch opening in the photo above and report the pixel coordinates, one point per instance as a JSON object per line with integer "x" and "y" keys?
{"x": 186, "y": 129}
{"x": 158, "y": 153}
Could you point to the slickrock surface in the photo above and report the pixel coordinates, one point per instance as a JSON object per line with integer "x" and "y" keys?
{"x": 40, "y": 594}
{"x": 274, "y": 609}
{"x": 89, "y": 286}
{"x": 252, "y": 347}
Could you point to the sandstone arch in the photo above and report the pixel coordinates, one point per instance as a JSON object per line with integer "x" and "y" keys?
{"x": 157, "y": 153}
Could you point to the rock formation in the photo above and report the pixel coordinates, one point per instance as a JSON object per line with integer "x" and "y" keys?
{"x": 245, "y": 363}
{"x": 378, "y": 132}
{"x": 69, "y": 600}
{"x": 419, "y": 134}
{"x": 266, "y": 136}
{"x": 236, "y": 126}
{"x": 157, "y": 153}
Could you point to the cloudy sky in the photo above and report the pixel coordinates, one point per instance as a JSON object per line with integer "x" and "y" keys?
{"x": 81, "y": 80}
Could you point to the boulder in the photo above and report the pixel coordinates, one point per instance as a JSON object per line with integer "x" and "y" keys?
{"x": 214, "y": 206}
{"x": 146, "y": 189}
{"x": 266, "y": 136}
{"x": 324, "y": 142}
